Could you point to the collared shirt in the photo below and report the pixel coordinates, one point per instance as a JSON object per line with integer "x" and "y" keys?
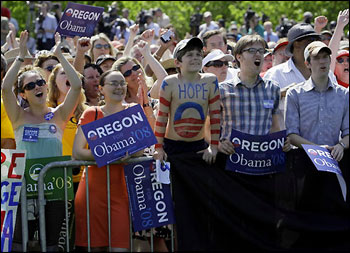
{"x": 284, "y": 75}
{"x": 248, "y": 110}
{"x": 317, "y": 116}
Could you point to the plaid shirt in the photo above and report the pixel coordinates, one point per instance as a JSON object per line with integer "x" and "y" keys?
{"x": 248, "y": 110}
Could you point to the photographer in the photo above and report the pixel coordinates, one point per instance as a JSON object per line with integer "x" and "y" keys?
{"x": 108, "y": 20}
{"x": 195, "y": 22}
{"x": 45, "y": 27}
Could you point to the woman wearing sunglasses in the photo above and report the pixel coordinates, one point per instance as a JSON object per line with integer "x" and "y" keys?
{"x": 114, "y": 88}
{"x": 100, "y": 45}
{"x": 216, "y": 62}
{"x": 137, "y": 89}
{"x": 47, "y": 62}
{"x": 38, "y": 128}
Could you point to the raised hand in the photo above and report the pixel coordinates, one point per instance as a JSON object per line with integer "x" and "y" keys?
{"x": 134, "y": 30}
{"x": 23, "y": 44}
{"x": 148, "y": 35}
{"x": 57, "y": 38}
{"x": 343, "y": 17}
{"x": 83, "y": 44}
{"x": 321, "y": 22}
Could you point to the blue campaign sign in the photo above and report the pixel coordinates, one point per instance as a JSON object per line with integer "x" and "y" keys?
{"x": 111, "y": 137}
{"x": 150, "y": 201}
{"x": 79, "y": 20}
{"x": 322, "y": 158}
{"x": 257, "y": 154}
{"x": 323, "y": 161}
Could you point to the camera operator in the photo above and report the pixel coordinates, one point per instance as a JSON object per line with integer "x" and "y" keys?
{"x": 195, "y": 22}
{"x": 108, "y": 20}
{"x": 45, "y": 27}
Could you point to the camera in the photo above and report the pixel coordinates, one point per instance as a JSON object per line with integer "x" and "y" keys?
{"x": 166, "y": 37}
{"x": 196, "y": 19}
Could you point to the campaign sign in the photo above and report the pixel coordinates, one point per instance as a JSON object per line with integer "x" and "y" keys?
{"x": 12, "y": 170}
{"x": 79, "y": 20}
{"x": 53, "y": 181}
{"x": 257, "y": 154}
{"x": 150, "y": 201}
{"x": 111, "y": 137}
{"x": 323, "y": 161}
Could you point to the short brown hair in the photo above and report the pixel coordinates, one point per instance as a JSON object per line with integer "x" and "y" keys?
{"x": 245, "y": 41}
{"x": 211, "y": 33}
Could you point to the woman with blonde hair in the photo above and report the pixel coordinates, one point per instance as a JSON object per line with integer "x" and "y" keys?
{"x": 101, "y": 45}
{"x": 38, "y": 128}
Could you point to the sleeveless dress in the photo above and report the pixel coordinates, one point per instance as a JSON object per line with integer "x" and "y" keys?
{"x": 98, "y": 202}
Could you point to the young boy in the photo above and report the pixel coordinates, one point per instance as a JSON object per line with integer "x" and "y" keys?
{"x": 185, "y": 99}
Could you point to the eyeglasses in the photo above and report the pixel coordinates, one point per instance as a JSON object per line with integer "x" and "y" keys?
{"x": 341, "y": 60}
{"x": 50, "y": 68}
{"x": 129, "y": 72}
{"x": 253, "y": 50}
{"x": 105, "y": 46}
{"x": 217, "y": 64}
{"x": 116, "y": 84}
{"x": 31, "y": 85}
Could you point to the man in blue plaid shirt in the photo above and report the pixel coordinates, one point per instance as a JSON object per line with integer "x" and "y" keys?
{"x": 249, "y": 103}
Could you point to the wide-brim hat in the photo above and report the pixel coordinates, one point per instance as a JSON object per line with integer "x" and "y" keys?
{"x": 280, "y": 43}
{"x": 11, "y": 55}
{"x": 216, "y": 54}
{"x": 297, "y": 32}
{"x": 197, "y": 42}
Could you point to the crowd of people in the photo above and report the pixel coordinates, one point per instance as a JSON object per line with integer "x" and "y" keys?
{"x": 257, "y": 80}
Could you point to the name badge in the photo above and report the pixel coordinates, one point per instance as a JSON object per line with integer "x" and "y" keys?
{"x": 30, "y": 134}
{"x": 268, "y": 104}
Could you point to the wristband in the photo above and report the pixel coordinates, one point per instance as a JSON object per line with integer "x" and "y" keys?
{"x": 19, "y": 59}
{"x": 158, "y": 145}
{"x": 342, "y": 144}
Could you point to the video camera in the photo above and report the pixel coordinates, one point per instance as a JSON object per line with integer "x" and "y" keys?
{"x": 285, "y": 26}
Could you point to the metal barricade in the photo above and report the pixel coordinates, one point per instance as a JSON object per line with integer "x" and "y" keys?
{"x": 42, "y": 203}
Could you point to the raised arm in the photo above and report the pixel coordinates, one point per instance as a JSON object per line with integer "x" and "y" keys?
{"x": 83, "y": 45}
{"x": 342, "y": 21}
{"x": 320, "y": 23}
{"x": 133, "y": 32}
{"x": 14, "y": 111}
{"x": 68, "y": 106}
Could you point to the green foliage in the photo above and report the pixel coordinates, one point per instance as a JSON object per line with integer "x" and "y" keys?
{"x": 181, "y": 11}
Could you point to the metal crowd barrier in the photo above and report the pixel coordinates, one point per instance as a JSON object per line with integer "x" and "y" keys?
{"x": 42, "y": 203}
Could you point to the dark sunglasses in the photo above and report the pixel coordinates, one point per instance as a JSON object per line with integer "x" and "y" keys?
{"x": 341, "y": 60}
{"x": 50, "y": 68}
{"x": 99, "y": 46}
{"x": 31, "y": 85}
{"x": 217, "y": 64}
{"x": 129, "y": 72}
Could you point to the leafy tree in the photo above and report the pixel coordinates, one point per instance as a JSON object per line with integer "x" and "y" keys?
{"x": 181, "y": 11}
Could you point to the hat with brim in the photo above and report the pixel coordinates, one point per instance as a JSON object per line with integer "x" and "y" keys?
{"x": 167, "y": 64}
{"x": 280, "y": 43}
{"x": 216, "y": 54}
{"x": 102, "y": 58}
{"x": 196, "y": 42}
{"x": 341, "y": 53}
{"x": 297, "y": 32}
{"x": 11, "y": 55}
{"x": 314, "y": 48}
{"x": 344, "y": 44}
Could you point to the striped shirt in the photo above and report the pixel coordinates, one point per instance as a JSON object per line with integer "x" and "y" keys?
{"x": 248, "y": 110}
{"x": 317, "y": 116}
{"x": 284, "y": 75}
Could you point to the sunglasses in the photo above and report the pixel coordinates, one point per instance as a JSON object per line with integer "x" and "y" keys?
{"x": 341, "y": 60}
{"x": 50, "y": 68}
{"x": 31, "y": 85}
{"x": 217, "y": 64}
{"x": 99, "y": 46}
{"x": 129, "y": 72}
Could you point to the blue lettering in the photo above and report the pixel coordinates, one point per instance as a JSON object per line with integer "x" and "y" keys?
{"x": 4, "y": 193}
{"x": 190, "y": 89}
{"x": 182, "y": 91}
{"x": 14, "y": 193}
{"x": 204, "y": 90}
{"x": 7, "y": 231}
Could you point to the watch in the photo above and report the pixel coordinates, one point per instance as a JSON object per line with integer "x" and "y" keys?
{"x": 342, "y": 144}
{"x": 19, "y": 59}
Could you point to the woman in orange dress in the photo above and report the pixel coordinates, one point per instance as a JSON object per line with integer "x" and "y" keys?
{"x": 113, "y": 86}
